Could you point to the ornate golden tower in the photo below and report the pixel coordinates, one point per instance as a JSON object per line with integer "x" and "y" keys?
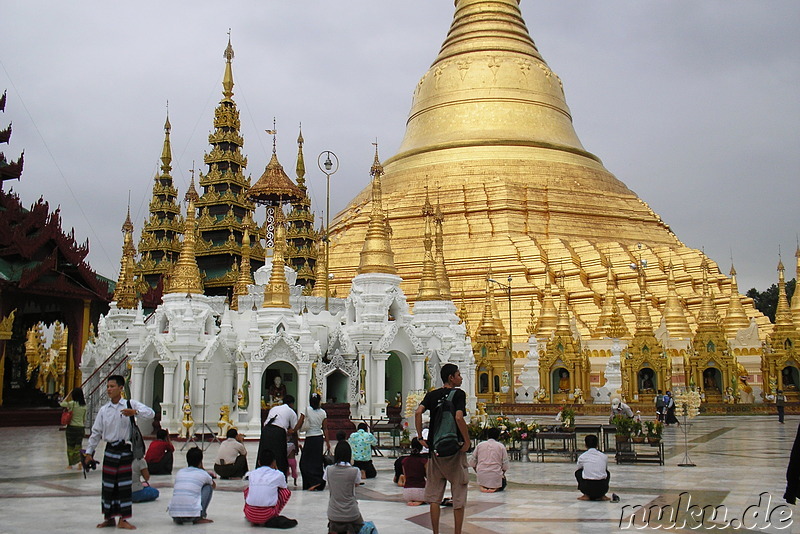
{"x": 489, "y": 121}
{"x": 780, "y": 364}
{"x": 125, "y": 292}
{"x": 736, "y": 317}
{"x": 710, "y": 365}
{"x": 795, "y": 307}
{"x": 376, "y": 252}
{"x": 159, "y": 245}
{"x": 223, "y": 203}
{"x": 185, "y": 276}
{"x": 428, "y": 284}
{"x": 489, "y": 346}
{"x": 646, "y": 365}
{"x": 245, "y": 274}
{"x": 276, "y": 292}
{"x": 301, "y": 236}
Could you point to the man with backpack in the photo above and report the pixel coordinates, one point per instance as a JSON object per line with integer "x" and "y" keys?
{"x": 448, "y": 441}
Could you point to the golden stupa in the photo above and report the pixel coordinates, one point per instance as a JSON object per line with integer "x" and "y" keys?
{"x": 491, "y": 137}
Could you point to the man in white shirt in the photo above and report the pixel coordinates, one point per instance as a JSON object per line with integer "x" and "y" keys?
{"x": 592, "y": 474}
{"x": 280, "y": 420}
{"x": 192, "y": 491}
{"x": 113, "y": 425}
{"x": 232, "y": 456}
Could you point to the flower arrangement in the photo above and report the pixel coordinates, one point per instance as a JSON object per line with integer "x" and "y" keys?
{"x": 412, "y": 401}
{"x": 405, "y": 436}
{"x": 566, "y": 416}
{"x": 476, "y": 429}
{"x": 516, "y": 430}
{"x": 687, "y": 402}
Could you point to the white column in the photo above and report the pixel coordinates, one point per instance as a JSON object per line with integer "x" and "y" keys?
{"x": 303, "y": 387}
{"x": 169, "y": 393}
{"x": 255, "y": 371}
{"x": 227, "y": 386}
{"x": 419, "y": 371}
{"x": 138, "y": 382}
{"x": 379, "y": 393}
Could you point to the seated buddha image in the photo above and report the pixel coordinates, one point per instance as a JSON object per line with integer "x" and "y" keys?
{"x": 788, "y": 379}
{"x": 709, "y": 384}
{"x": 277, "y": 391}
{"x": 646, "y": 378}
{"x": 563, "y": 382}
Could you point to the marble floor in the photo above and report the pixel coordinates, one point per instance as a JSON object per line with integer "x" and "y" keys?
{"x": 741, "y": 463}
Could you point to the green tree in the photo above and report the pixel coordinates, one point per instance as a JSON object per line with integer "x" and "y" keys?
{"x": 767, "y": 301}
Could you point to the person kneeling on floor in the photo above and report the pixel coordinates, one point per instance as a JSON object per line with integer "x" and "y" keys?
{"x": 192, "y": 491}
{"x": 232, "y": 457}
{"x": 266, "y": 495}
{"x": 490, "y": 462}
{"x": 592, "y": 474}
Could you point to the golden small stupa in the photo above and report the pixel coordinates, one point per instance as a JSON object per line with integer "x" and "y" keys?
{"x": 490, "y": 129}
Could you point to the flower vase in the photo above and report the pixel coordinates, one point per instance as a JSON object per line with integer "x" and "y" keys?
{"x": 524, "y": 448}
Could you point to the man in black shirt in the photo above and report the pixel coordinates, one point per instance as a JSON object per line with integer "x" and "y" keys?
{"x": 453, "y": 468}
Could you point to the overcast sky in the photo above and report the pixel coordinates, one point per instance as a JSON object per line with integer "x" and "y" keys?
{"x": 692, "y": 104}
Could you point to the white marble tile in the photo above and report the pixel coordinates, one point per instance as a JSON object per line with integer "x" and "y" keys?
{"x": 737, "y": 458}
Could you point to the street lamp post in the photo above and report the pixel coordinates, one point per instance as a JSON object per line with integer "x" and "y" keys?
{"x": 328, "y": 167}
{"x": 507, "y": 289}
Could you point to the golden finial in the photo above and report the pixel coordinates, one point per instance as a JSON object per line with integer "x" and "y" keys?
{"x": 274, "y": 133}
{"x": 532, "y": 321}
{"x": 563, "y": 326}
{"x": 441, "y": 268}
{"x": 125, "y": 291}
{"x": 735, "y": 317}
{"x": 276, "y": 292}
{"x": 166, "y": 151}
{"x": 376, "y": 254}
{"x": 488, "y": 325}
{"x": 707, "y": 316}
{"x": 548, "y": 318}
{"x": 227, "y": 79}
{"x": 185, "y": 276}
{"x": 300, "y": 169}
{"x": 674, "y": 313}
{"x": 795, "y": 305}
{"x": 783, "y": 314}
{"x": 609, "y": 300}
{"x": 462, "y": 311}
{"x": 428, "y": 288}
{"x": 245, "y": 276}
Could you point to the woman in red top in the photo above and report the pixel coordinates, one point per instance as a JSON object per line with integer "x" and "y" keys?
{"x": 414, "y": 474}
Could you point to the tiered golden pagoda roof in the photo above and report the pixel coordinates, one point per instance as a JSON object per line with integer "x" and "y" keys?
{"x": 301, "y": 237}
{"x": 489, "y": 121}
{"x": 224, "y": 204}
{"x": 159, "y": 245}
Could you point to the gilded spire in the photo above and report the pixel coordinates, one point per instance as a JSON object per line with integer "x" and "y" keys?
{"x": 674, "y": 313}
{"x": 227, "y": 79}
{"x": 548, "y": 319}
{"x": 610, "y": 321}
{"x": 488, "y": 325}
{"x": 159, "y": 244}
{"x": 643, "y": 322}
{"x": 376, "y": 254}
{"x": 300, "y": 168}
{"x": 463, "y": 315}
{"x": 125, "y": 292}
{"x": 735, "y": 317}
{"x": 245, "y": 276}
{"x": 795, "y": 307}
{"x": 428, "y": 286}
{"x": 185, "y": 276}
{"x": 532, "y": 323}
{"x": 707, "y": 316}
{"x": 563, "y": 327}
{"x": 783, "y": 315}
{"x": 276, "y": 292}
{"x": 441, "y": 269}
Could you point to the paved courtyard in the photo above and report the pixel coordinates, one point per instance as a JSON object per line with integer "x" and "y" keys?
{"x": 741, "y": 464}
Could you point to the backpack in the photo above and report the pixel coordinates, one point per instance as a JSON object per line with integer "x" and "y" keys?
{"x": 445, "y": 440}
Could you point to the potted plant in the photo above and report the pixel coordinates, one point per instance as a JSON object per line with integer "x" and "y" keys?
{"x": 623, "y": 426}
{"x": 637, "y": 436}
{"x": 654, "y": 431}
